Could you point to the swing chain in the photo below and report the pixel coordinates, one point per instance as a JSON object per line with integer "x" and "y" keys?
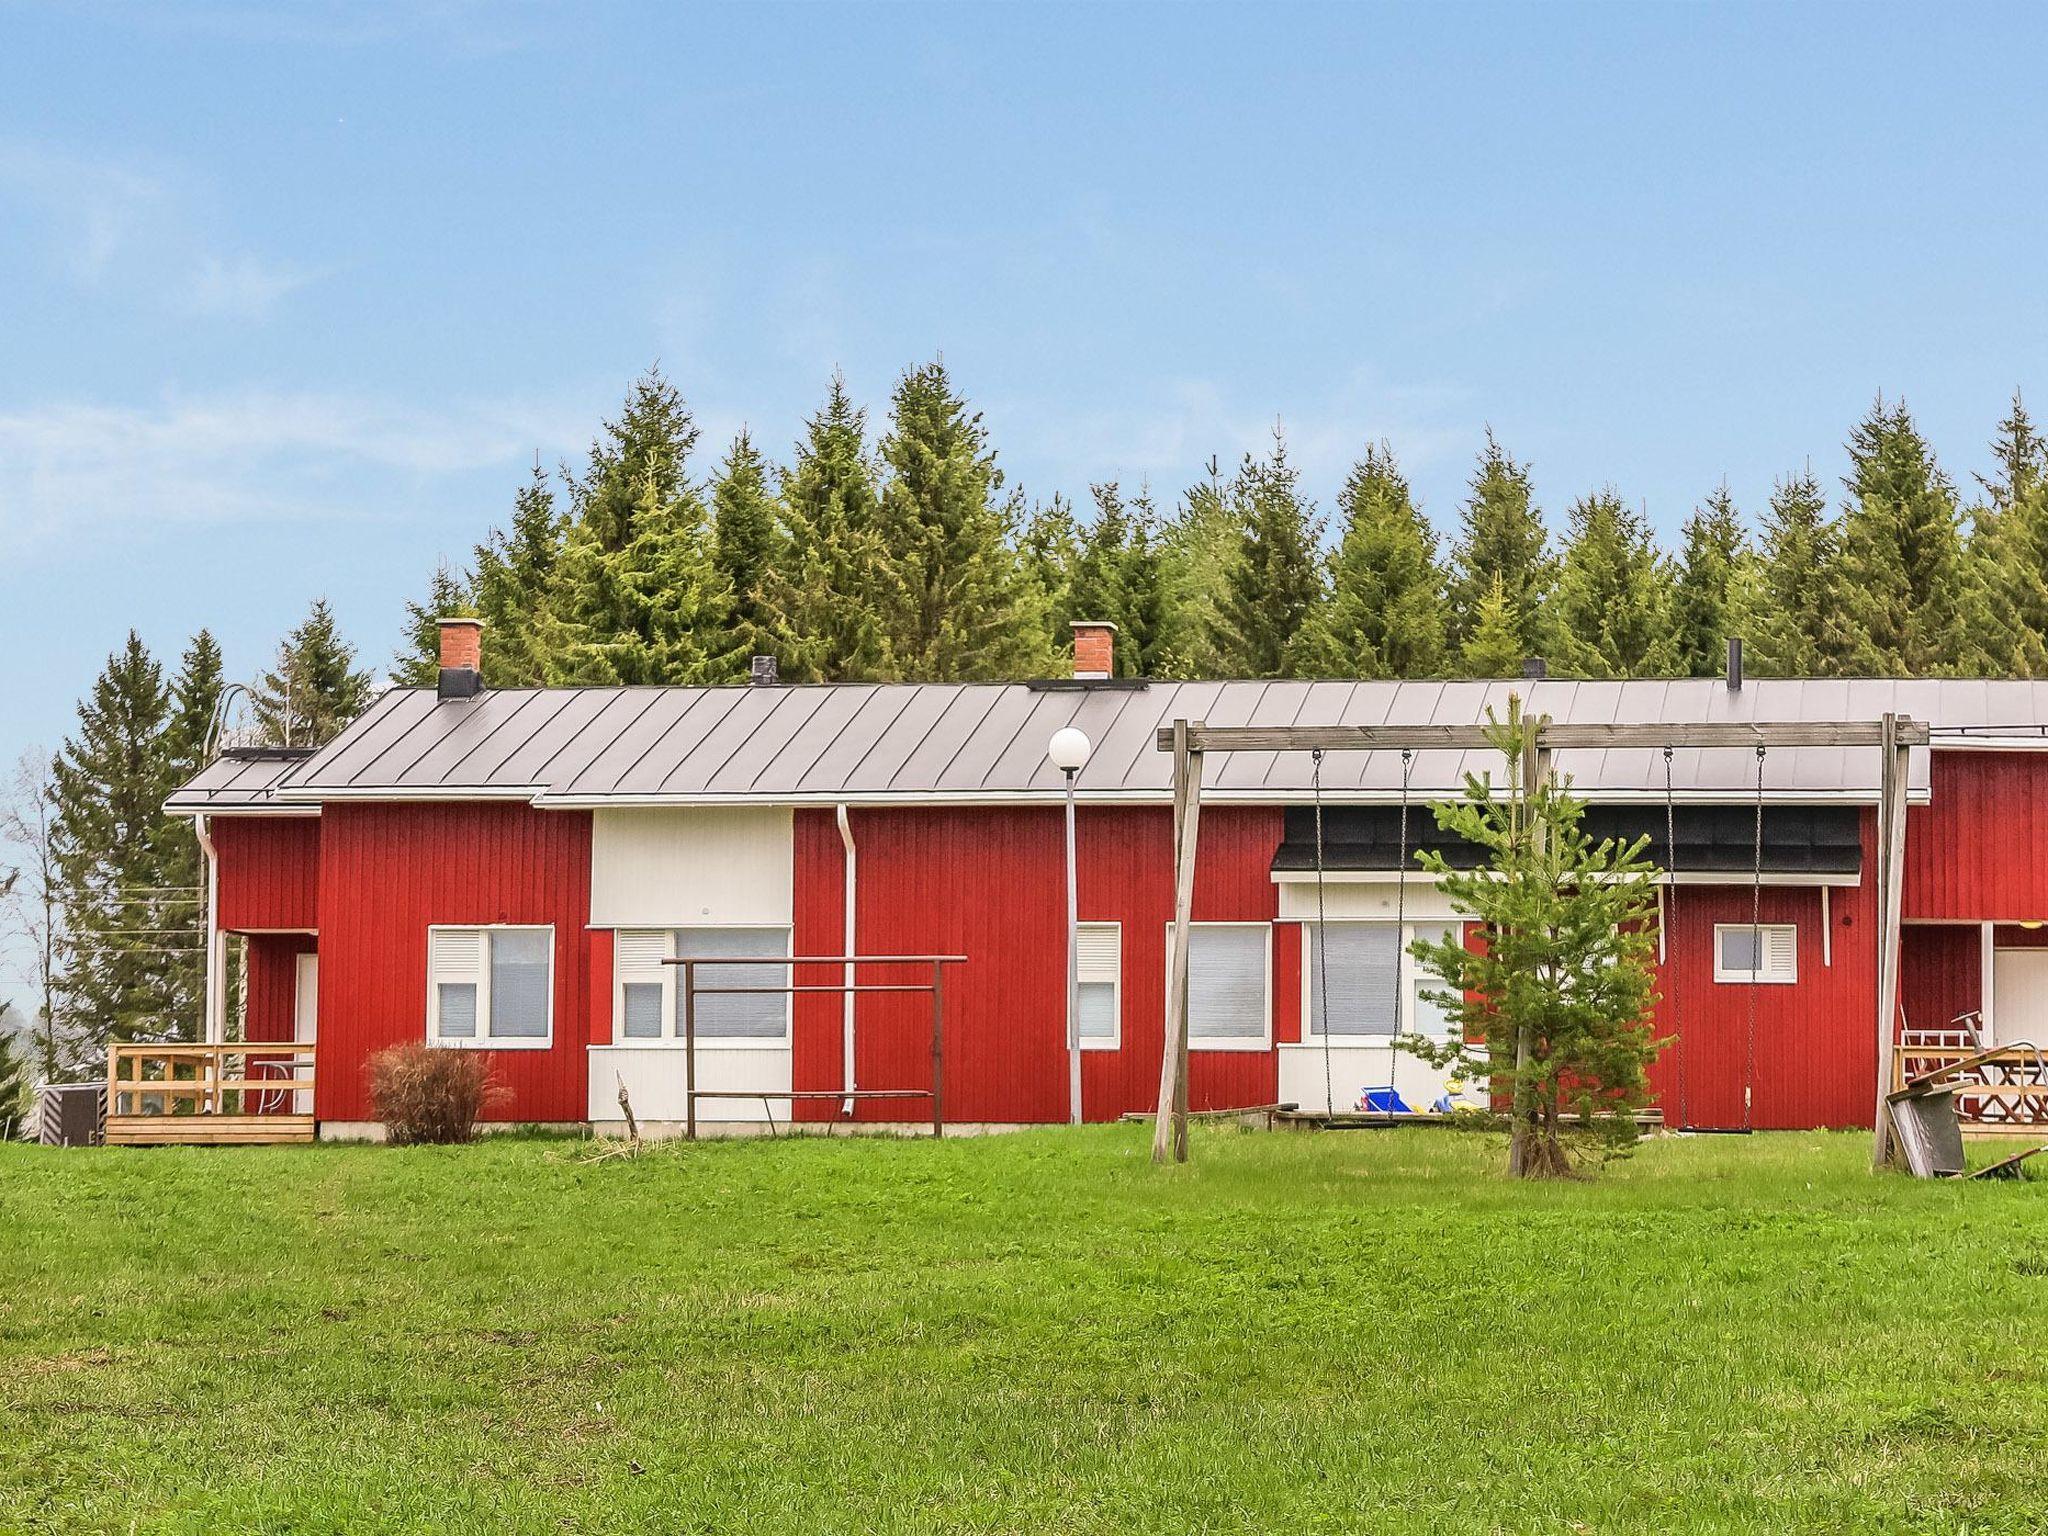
{"x": 1322, "y": 946}
{"x": 1670, "y": 924}
{"x": 1400, "y": 937}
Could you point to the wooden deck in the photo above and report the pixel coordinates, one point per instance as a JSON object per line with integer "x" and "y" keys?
{"x": 2005, "y": 1093}
{"x": 251, "y": 1093}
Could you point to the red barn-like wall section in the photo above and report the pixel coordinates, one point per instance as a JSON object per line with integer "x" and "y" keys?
{"x": 387, "y": 872}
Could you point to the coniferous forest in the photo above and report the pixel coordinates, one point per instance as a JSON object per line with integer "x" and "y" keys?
{"x": 893, "y": 547}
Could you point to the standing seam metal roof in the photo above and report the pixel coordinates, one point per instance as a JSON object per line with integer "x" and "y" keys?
{"x": 864, "y": 743}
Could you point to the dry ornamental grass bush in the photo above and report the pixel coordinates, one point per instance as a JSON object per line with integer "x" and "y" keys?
{"x": 427, "y": 1096}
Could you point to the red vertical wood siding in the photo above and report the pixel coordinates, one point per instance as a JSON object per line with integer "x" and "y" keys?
{"x": 600, "y": 996}
{"x": 1125, "y": 862}
{"x": 269, "y": 871}
{"x": 818, "y": 917}
{"x": 1941, "y": 972}
{"x": 1815, "y": 1061}
{"x": 1975, "y": 852}
{"x": 389, "y": 871}
{"x": 273, "y": 973}
{"x": 989, "y": 884}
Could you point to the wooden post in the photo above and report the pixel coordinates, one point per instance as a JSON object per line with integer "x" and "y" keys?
{"x": 1170, "y": 1124}
{"x": 1535, "y": 770}
{"x": 938, "y": 1049}
{"x": 689, "y": 969}
{"x": 1893, "y": 763}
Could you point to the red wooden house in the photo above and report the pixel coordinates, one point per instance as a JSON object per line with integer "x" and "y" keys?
{"x": 508, "y": 871}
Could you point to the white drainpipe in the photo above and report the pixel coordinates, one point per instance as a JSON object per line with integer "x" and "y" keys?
{"x": 216, "y": 997}
{"x": 846, "y": 948}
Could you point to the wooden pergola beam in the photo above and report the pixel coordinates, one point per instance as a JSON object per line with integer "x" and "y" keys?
{"x": 1554, "y": 738}
{"x": 1894, "y": 735}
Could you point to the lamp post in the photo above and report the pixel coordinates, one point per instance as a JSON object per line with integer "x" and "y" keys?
{"x": 1068, "y": 751}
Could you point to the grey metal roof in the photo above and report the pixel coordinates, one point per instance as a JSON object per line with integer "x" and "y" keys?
{"x": 881, "y": 743}
{"x": 240, "y": 781}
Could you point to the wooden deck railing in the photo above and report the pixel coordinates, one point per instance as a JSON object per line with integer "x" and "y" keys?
{"x": 2004, "y": 1088}
{"x": 248, "y": 1091}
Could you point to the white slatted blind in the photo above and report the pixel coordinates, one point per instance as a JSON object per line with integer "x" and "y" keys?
{"x": 456, "y": 954}
{"x": 1226, "y": 982}
{"x": 455, "y": 974}
{"x": 522, "y": 973}
{"x": 637, "y": 954}
{"x": 738, "y": 1016}
{"x": 1100, "y": 950}
{"x": 1361, "y": 963}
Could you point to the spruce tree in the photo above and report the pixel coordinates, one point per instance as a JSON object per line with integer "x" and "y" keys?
{"x": 108, "y": 836}
{"x": 1386, "y": 614}
{"x": 1494, "y": 647}
{"x": 952, "y": 591}
{"x": 514, "y": 586}
{"x": 1902, "y": 553}
{"x": 194, "y": 692}
{"x": 1610, "y": 611}
{"x": 1196, "y": 552}
{"x": 657, "y": 610}
{"x": 820, "y": 597}
{"x": 1048, "y": 548}
{"x": 1117, "y": 577}
{"x": 1501, "y": 535}
{"x": 418, "y": 662}
{"x": 746, "y": 540}
{"x": 314, "y": 689}
{"x": 17, "y": 1085}
{"x": 1706, "y": 596}
{"x": 648, "y": 446}
{"x": 1797, "y": 628}
{"x": 2007, "y": 555}
{"x": 1274, "y": 586}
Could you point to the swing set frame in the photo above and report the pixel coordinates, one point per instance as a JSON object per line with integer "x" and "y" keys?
{"x": 1893, "y": 735}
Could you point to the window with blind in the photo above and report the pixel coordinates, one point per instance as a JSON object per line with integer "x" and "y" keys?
{"x": 647, "y": 1004}
{"x": 1099, "y": 950}
{"x": 490, "y": 986}
{"x": 1766, "y": 953}
{"x": 1376, "y": 988}
{"x": 1228, "y": 972}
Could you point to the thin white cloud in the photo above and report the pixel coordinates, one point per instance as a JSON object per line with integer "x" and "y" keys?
{"x": 114, "y": 227}
{"x": 73, "y": 472}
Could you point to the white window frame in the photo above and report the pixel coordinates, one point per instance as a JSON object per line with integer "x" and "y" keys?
{"x": 1411, "y": 973}
{"x": 483, "y": 1040}
{"x": 1114, "y": 1040}
{"x": 1761, "y": 977}
{"x": 1263, "y": 1041}
{"x": 671, "y": 1036}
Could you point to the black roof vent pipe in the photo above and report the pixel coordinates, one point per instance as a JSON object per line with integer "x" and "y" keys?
{"x": 1735, "y": 663}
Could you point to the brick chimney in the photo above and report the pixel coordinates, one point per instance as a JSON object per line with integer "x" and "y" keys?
{"x": 1094, "y": 649}
{"x": 462, "y": 659}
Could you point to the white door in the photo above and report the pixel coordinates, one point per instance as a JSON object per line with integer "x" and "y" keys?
{"x": 2019, "y": 996}
{"x": 306, "y": 1000}
{"x": 305, "y": 1018}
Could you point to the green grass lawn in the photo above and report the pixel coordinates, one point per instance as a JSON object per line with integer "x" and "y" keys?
{"x": 1032, "y": 1332}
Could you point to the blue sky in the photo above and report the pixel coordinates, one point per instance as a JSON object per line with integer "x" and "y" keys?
{"x": 288, "y": 296}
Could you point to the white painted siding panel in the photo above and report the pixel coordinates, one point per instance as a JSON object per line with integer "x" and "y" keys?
{"x": 653, "y": 1078}
{"x": 664, "y": 868}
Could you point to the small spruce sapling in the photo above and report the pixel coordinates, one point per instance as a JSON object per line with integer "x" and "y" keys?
{"x": 1554, "y": 1005}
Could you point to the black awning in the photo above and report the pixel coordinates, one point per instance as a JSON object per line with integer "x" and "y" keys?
{"x": 1711, "y": 839}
